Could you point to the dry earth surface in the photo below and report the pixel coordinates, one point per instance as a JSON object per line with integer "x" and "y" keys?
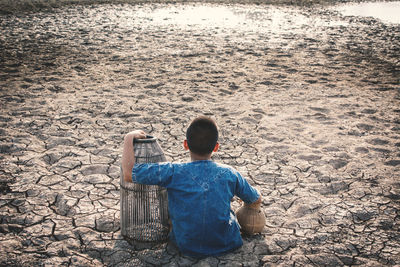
{"x": 307, "y": 102}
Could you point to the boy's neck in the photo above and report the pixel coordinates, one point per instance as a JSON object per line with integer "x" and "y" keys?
{"x": 196, "y": 157}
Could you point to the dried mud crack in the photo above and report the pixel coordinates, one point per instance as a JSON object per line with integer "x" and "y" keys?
{"x": 307, "y": 103}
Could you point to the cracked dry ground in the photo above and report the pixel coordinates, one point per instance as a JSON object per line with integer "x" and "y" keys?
{"x": 307, "y": 103}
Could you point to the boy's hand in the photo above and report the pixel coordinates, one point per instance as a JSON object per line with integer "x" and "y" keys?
{"x": 255, "y": 205}
{"x": 137, "y": 134}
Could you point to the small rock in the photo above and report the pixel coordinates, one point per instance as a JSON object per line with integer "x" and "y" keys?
{"x": 154, "y": 86}
{"x": 106, "y": 225}
{"x": 378, "y": 141}
{"x": 309, "y": 157}
{"x": 365, "y": 127}
{"x": 364, "y": 215}
{"x": 187, "y": 98}
{"x": 338, "y": 163}
{"x": 393, "y": 162}
{"x": 361, "y": 150}
{"x": 94, "y": 169}
{"x": 7, "y": 148}
{"x": 326, "y": 260}
{"x": 369, "y": 111}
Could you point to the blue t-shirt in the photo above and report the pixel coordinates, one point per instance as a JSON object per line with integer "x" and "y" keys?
{"x": 199, "y": 196}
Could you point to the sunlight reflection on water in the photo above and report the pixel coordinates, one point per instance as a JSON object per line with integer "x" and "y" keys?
{"x": 240, "y": 18}
{"x": 385, "y": 11}
{"x": 200, "y": 15}
{"x": 242, "y": 23}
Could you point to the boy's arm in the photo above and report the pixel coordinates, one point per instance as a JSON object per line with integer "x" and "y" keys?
{"x": 251, "y": 196}
{"x": 128, "y": 155}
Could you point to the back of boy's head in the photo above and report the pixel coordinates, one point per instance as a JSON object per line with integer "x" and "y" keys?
{"x": 202, "y": 135}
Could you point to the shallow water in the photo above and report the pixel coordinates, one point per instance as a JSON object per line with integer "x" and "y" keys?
{"x": 239, "y": 17}
{"x": 388, "y": 12}
{"x": 244, "y": 22}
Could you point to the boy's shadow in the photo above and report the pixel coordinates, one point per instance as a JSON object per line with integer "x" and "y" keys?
{"x": 129, "y": 253}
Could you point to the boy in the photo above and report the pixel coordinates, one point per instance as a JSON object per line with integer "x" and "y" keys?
{"x": 199, "y": 192}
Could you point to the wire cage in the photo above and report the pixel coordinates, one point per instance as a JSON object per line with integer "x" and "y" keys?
{"x": 144, "y": 208}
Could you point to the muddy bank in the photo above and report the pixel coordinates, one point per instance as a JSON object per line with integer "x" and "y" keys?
{"x": 307, "y": 102}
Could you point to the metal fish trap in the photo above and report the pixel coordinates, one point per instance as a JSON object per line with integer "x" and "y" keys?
{"x": 144, "y": 208}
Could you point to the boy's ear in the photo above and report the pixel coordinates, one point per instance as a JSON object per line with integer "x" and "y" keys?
{"x": 185, "y": 145}
{"x": 216, "y": 147}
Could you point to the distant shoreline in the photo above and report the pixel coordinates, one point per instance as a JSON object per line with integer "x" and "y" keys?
{"x": 15, "y": 7}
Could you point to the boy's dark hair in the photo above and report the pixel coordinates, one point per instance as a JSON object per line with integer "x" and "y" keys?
{"x": 202, "y": 135}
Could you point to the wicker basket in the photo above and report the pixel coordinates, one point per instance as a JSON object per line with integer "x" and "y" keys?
{"x": 144, "y": 208}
